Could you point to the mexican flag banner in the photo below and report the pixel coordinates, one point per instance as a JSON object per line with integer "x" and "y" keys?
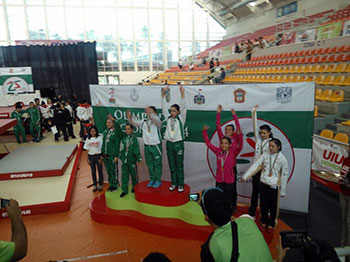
{"x": 286, "y": 108}
{"x": 16, "y": 80}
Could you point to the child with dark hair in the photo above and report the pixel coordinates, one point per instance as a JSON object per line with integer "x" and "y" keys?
{"x": 18, "y": 128}
{"x": 174, "y": 136}
{"x": 129, "y": 156}
{"x": 225, "y": 161}
{"x": 230, "y": 132}
{"x": 61, "y": 115}
{"x": 94, "y": 145}
{"x": 156, "y": 257}
{"x": 262, "y": 136}
{"x": 70, "y": 123}
{"x": 273, "y": 181}
{"x": 34, "y": 113}
{"x": 84, "y": 114}
{"x": 152, "y": 144}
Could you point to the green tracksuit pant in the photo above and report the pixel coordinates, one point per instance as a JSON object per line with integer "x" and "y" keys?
{"x": 19, "y": 130}
{"x": 175, "y": 152}
{"x": 128, "y": 169}
{"x": 34, "y": 130}
{"x": 153, "y": 155}
{"x": 112, "y": 174}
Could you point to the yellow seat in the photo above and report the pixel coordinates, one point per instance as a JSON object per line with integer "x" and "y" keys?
{"x": 293, "y": 78}
{"x": 301, "y": 69}
{"x": 341, "y": 137}
{"x": 339, "y": 80}
{"x": 278, "y": 79}
{"x": 331, "y": 68}
{"x": 346, "y": 82}
{"x": 267, "y": 78}
{"x": 308, "y": 68}
{"x": 282, "y": 70}
{"x": 258, "y": 78}
{"x": 346, "y": 123}
{"x": 347, "y": 70}
{"x": 315, "y": 68}
{"x": 318, "y": 93}
{"x": 316, "y": 111}
{"x": 294, "y": 69}
{"x": 288, "y": 70}
{"x": 341, "y": 68}
{"x": 323, "y": 68}
{"x": 329, "y": 80}
{"x": 327, "y": 133}
{"x": 326, "y": 95}
{"x": 337, "y": 96}
{"x": 310, "y": 78}
{"x": 273, "y": 78}
{"x": 320, "y": 79}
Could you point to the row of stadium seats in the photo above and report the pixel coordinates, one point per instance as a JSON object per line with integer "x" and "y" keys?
{"x": 329, "y": 95}
{"x": 340, "y": 80}
{"x": 299, "y": 60}
{"x": 319, "y": 68}
{"x": 341, "y": 137}
{"x": 312, "y": 52}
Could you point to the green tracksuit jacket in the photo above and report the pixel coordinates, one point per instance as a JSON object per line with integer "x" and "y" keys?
{"x": 110, "y": 147}
{"x": 19, "y": 129}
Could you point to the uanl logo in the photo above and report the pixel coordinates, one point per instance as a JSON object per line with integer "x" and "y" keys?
{"x": 245, "y": 158}
{"x": 199, "y": 99}
{"x": 24, "y": 175}
{"x": 134, "y": 96}
{"x": 23, "y": 212}
{"x": 284, "y": 94}
{"x": 239, "y": 95}
{"x": 111, "y": 94}
{"x": 332, "y": 160}
{"x": 14, "y": 85}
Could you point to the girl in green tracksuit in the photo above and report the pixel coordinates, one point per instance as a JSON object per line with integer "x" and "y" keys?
{"x": 174, "y": 136}
{"x": 110, "y": 153}
{"x": 34, "y": 113}
{"x": 129, "y": 155}
{"x": 18, "y": 128}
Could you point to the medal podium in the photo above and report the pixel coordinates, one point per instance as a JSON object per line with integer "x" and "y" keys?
{"x": 153, "y": 210}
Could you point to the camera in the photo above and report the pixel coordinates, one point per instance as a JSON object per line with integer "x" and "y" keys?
{"x": 294, "y": 239}
{"x": 194, "y": 197}
{"x": 4, "y": 202}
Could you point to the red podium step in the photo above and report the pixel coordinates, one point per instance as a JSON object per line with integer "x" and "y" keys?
{"x": 161, "y": 196}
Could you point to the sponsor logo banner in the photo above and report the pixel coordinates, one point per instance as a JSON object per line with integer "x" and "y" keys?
{"x": 305, "y": 35}
{"x": 16, "y": 80}
{"x": 288, "y": 38}
{"x": 346, "y": 28}
{"x": 329, "y": 31}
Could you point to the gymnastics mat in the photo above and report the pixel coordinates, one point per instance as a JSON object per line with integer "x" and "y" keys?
{"x": 37, "y": 161}
{"x": 43, "y": 195}
{"x": 6, "y": 124}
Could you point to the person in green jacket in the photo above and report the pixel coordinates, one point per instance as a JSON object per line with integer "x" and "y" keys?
{"x": 110, "y": 153}
{"x": 129, "y": 156}
{"x": 34, "y": 113}
{"x": 19, "y": 129}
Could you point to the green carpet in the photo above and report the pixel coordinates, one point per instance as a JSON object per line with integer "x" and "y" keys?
{"x": 190, "y": 213}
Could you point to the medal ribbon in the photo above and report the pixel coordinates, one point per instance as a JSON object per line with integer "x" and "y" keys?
{"x": 274, "y": 162}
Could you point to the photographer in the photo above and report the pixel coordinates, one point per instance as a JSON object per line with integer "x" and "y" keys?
{"x": 17, "y": 248}
{"x": 344, "y": 200}
{"x": 237, "y": 240}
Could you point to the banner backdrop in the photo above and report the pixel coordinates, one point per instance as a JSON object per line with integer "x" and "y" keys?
{"x": 15, "y": 80}
{"x": 305, "y": 35}
{"x": 328, "y": 155}
{"x": 287, "y": 108}
{"x": 329, "y": 31}
{"x": 346, "y": 28}
{"x": 288, "y": 38}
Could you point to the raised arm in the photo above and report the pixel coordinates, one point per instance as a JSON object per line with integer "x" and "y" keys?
{"x": 207, "y": 141}
{"x": 218, "y": 122}
{"x": 183, "y": 110}
{"x": 133, "y": 120}
{"x": 284, "y": 177}
{"x": 255, "y": 122}
{"x": 155, "y": 119}
{"x": 253, "y": 169}
{"x": 164, "y": 109}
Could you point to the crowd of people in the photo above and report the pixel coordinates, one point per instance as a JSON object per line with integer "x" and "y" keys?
{"x": 249, "y": 46}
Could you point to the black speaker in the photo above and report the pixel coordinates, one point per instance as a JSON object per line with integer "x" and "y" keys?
{"x": 48, "y": 92}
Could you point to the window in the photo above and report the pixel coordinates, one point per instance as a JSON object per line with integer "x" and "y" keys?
{"x": 171, "y": 4}
{"x": 127, "y": 56}
{"x": 216, "y": 31}
{"x": 142, "y": 3}
{"x": 186, "y": 24}
{"x": 200, "y": 24}
{"x": 124, "y": 2}
{"x": 100, "y": 23}
{"x": 156, "y": 22}
{"x": 157, "y": 56}
{"x": 36, "y": 23}
{"x": 173, "y": 53}
{"x": 141, "y": 23}
{"x": 186, "y": 49}
{"x": 200, "y": 46}
{"x": 75, "y": 30}
{"x": 125, "y": 23}
{"x": 107, "y": 56}
{"x": 55, "y": 21}
{"x": 156, "y": 3}
{"x": 2, "y": 25}
{"x": 17, "y": 24}
{"x": 171, "y": 24}
{"x": 73, "y": 2}
{"x": 99, "y": 2}
{"x": 54, "y": 2}
{"x": 34, "y": 2}
{"x": 142, "y": 56}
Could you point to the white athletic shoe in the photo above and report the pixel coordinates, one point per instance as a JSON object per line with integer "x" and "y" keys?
{"x": 180, "y": 189}
{"x": 172, "y": 188}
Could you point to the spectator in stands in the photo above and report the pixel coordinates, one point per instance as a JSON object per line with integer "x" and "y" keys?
{"x": 249, "y": 50}
{"x": 243, "y": 47}
{"x": 210, "y": 80}
{"x": 237, "y": 49}
{"x": 231, "y": 238}
{"x": 17, "y": 248}
{"x": 156, "y": 257}
{"x": 221, "y": 77}
{"x": 180, "y": 63}
{"x": 190, "y": 67}
{"x": 217, "y": 62}
{"x": 262, "y": 43}
{"x": 344, "y": 199}
{"x": 211, "y": 65}
{"x": 204, "y": 61}
{"x": 278, "y": 40}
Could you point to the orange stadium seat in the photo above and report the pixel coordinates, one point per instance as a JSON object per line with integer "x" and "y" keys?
{"x": 326, "y": 95}
{"x": 346, "y": 123}
{"x": 339, "y": 80}
{"x": 327, "y": 133}
{"x": 311, "y": 78}
{"x": 331, "y": 68}
{"x": 337, "y": 96}
{"x": 318, "y": 93}
{"x": 334, "y": 49}
{"x": 316, "y": 111}
{"x": 307, "y": 52}
{"x": 341, "y": 137}
{"x": 320, "y": 79}
{"x": 346, "y": 82}
{"x": 341, "y": 68}
{"x": 313, "y": 52}
{"x": 329, "y": 80}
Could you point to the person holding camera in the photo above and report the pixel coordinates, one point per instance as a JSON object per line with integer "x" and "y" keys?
{"x": 17, "y": 248}
{"x": 232, "y": 240}
{"x": 344, "y": 200}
